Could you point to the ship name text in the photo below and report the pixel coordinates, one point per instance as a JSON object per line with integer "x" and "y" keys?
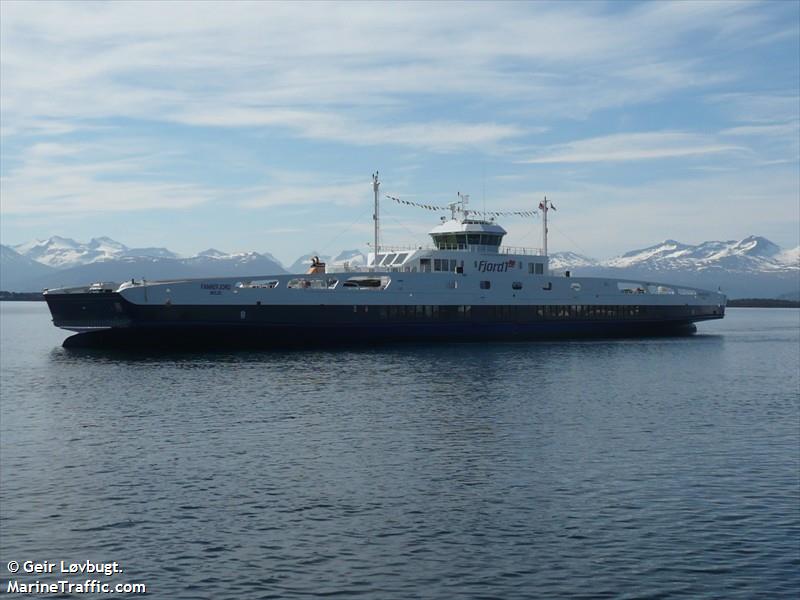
{"x": 484, "y": 267}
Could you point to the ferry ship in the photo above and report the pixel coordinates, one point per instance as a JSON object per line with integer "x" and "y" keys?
{"x": 466, "y": 286}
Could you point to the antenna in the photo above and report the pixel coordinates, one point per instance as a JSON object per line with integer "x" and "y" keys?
{"x": 463, "y": 201}
{"x": 483, "y": 183}
{"x": 375, "y": 217}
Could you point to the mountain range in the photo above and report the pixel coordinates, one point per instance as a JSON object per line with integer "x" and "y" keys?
{"x": 752, "y": 254}
{"x": 752, "y": 267}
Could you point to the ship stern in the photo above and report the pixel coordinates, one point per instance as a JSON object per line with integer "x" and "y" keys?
{"x": 87, "y": 309}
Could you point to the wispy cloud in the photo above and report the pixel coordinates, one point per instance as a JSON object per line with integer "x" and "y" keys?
{"x": 781, "y": 130}
{"x": 57, "y": 178}
{"x": 632, "y": 146}
{"x": 759, "y": 107}
{"x": 68, "y": 194}
{"x": 436, "y": 136}
{"x": 347, "y": 194}
{"x": 255, "y": 64}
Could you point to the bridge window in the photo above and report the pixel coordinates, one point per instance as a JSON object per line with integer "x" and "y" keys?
{"x": 450, "y": 241}
{"x": 460, "y": 241}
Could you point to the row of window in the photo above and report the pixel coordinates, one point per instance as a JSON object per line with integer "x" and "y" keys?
{"x": 444, "y": 264}
{"x": 508, "y": 312}
{"x": 440, "y": 265}
{"x": 460, "y": 241}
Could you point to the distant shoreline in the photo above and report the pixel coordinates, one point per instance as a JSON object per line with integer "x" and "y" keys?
{"x": 21, "y": 296}
{"x": 762, "y": 303}
{"x": 736, "y": 303}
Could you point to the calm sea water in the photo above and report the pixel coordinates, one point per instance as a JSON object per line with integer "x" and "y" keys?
{"x": 627, "y": 468}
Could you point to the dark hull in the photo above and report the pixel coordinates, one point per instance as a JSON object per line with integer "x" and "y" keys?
{"x": 304, "y": 326}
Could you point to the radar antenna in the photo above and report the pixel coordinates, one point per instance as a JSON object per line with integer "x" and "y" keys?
{"x": 459, "y": 206}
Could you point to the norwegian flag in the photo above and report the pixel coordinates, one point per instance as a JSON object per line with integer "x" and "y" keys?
{"x": 541, "y": 205}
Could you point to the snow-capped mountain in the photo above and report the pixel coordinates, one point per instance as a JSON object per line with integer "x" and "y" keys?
{"x": 128, "y": 267}
{"x": 570, "y": 260}
{"x": 753, "y": 267}
{"x": 212, "y": 253}
{"x": 353, "y": 258}
{"x": 752, "y": 254}
{"x": 789, "y": 257}
{"x": 61, "y": 261}
{"x": 150, "y": 253}
{"x": 64, "y": 253}
{"x": 239, "y": 257}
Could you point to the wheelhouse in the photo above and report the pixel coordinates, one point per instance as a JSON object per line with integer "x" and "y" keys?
{"x": 468, "y": 234}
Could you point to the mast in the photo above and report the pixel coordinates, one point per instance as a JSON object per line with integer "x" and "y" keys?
{"x": 375, "y": 217}
{"x": 543, "y": 206}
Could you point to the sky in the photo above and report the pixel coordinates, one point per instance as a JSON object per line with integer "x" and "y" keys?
{"x": 257, "y": 126}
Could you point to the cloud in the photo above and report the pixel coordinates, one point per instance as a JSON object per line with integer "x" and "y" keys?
{"x": 346, "y": 194}
{"x": 64, "y": 179}
{"x": 780, "y": 130}
{"x": 439, "y": 136}
{"x": 633, "y": 146}
{"x": 777, "y": 142}
{"x": 70, "y": 194}
{"x": 266, "y": 64}
{"x": 759, "y": 107}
